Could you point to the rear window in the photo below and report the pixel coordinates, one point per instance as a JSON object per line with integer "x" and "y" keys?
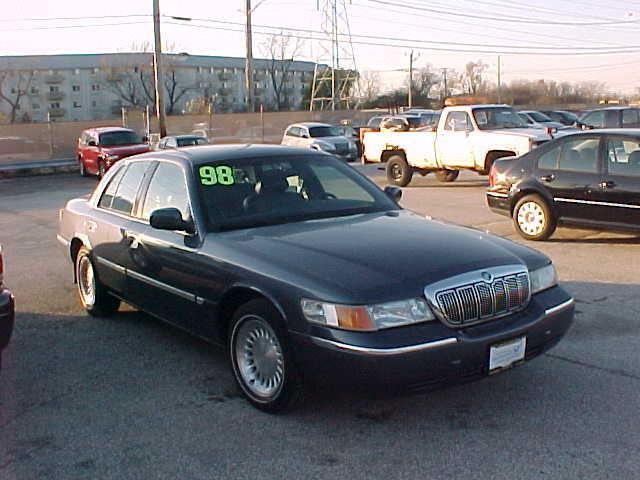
{"x": 112, "y": 139}
{"x": 315, "y": 132}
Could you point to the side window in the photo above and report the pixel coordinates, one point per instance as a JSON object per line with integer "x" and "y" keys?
{"x": 623, "y": 157}
{"x": 167, "y": 189}
{"x": 525, "y": 118}
{"x": 579, "y": 155}
{"x": 125, "y": 196}
{"x": 109, "y": 192}
{"x": 594, "y": 119}
{"x": 457, "y": 122}
{"x": 172, "y": 143}
{"x": 549, "y": 160}
{"x": 629, "y": 117}
{"x": 293, "y": 132}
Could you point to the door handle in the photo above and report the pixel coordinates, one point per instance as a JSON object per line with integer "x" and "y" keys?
{"x": 607, "y": 184}
{"x": 548, "y": 178}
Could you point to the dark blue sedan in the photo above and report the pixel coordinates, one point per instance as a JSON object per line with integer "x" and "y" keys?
{"x": 304, "y": 269}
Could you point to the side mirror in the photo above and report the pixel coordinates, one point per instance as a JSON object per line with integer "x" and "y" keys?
{"x": 394, "y": 193}
{"x": 92, "y": 143}
{"x": 169, "y": 219}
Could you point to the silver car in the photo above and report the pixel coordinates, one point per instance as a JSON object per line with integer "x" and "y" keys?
{"x": 321, "y": 136}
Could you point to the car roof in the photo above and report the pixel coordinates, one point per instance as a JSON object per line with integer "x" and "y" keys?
{"x": 309, "y": 124}
{"x": 190, "y": 135}
{"x": 108, "y": 129}
{"x": 621, "y": 107}
{"x": 212, "y": 153}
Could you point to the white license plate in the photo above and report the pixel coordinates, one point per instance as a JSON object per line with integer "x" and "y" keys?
{"x": 505, "y": 354}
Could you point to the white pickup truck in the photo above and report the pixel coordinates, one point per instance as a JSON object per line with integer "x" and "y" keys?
{"x": 468, "y": 137}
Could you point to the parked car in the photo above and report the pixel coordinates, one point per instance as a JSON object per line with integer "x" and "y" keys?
{"x": 611, "y": 117}
{"x": 536, "y": 119}
{"x": 468, "y": 137}
{"x": 321, "y": 136}
{"x": 352, "y": 132}
{"x": 568, "y": 119}
{"x": 374, "y": 122}
{"x": 99, "y": 148}
{"x": 179, "y": 141}
{"x": 7, "y": 311}
{"x": 282, "y": 255}
{"x": 590, "y": 179}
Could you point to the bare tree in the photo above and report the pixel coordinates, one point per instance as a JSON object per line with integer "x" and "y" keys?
{"x": 175, "y": 91}
{"x": 424, "y": 80}
{"x": 14, "y": 94}
{"x": 370, "y": 85}
{"x": 472, "y": 79}
{"x": 281, "y": 49}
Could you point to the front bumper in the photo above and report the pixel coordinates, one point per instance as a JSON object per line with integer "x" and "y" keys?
{"x": 449, "y": 356}
{"x": 7, "y": 318}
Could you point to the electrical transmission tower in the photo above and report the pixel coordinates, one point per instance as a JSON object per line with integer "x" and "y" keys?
{"x": 335, "y": 77}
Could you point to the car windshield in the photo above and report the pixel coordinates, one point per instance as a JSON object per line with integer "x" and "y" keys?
{"x": 315, "y": 132}
{"x": 497, "y": 117}
{"x": 414, "y": 122}
{"x": 539, "y": 117}
{"x": 112, "y": 139}
{"x": 252, "y": 192}
{"x": 189, "y": 141}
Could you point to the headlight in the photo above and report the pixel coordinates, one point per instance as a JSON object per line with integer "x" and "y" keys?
{"x": 543, "y": 278}
{"x": 324, "y": 146}
{"x": 367, "y": 317}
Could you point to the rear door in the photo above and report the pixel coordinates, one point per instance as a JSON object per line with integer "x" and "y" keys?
{"x": 618, "y": 195}
{"x": 570, "y": 172}
{"x": 630, "y": 118}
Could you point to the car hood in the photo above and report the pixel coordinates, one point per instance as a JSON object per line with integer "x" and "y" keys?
{"x": 126, "y": 150}
{"x": 367, "y": 258}
{"x": 535, "y": 133}
{"x": 332, "y": 140}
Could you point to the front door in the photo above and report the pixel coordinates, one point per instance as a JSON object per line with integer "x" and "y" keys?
{"x": 453, "y": 145}
{"x": 618, "y": 195}
{"x": 571, "y": 172}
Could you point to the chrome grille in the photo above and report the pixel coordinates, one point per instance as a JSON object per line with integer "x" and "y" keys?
{"x": 480, "y": 296}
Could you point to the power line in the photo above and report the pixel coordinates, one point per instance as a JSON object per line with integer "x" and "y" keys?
{"x": 540, "y": 50}
{"x": 63, "y": 27}
{"x": 507, "y": 19}
{"x": 50, "y": 19}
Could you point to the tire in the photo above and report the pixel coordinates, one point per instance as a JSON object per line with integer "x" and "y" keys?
{"x": 447, "y": 175}
{"x": 533, "y": 218}
{"x": 261, "y": 359}
{"x": 101, "y": 169}
{"x": 398, "y": 171}
{"x": 83, "y": 169}
{"x": 94, "y": 296}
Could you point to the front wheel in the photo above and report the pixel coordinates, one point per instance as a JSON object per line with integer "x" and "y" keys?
{"x": 398, "y": 171}
{"x": 447, "y": 175}
{"x": 533, "y": 218}
{"x": 260, "y": 357}
{"x": 94, "y": 296}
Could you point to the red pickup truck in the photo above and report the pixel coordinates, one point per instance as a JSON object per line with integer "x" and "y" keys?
{"x": 99, "y": 148}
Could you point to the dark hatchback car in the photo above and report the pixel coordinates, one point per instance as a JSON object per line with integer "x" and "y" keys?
{"x": 566, "y": 118}
{"x": 611, "y": 117}
{"x": 590, "y": 179}
{"x": 282, "y": 254}
{"x": 7, "y": 312}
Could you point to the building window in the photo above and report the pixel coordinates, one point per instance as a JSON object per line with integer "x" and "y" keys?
{"x": 94, "y": 104}
{"x": 13, "y": 90}
{"x": 55, "y": 105}
{"x": 54, "y": 88}
{"x": 76, "y": 105}
{"x": 95, "y": 87}
{"x": 35, "y": 106}
{"x": 34, "y": 89}
{"x": 136, "y": 69}
{"x": 75, "y": 88}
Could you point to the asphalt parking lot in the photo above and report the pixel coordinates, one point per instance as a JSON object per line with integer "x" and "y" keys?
{"x": 129, "y": 397}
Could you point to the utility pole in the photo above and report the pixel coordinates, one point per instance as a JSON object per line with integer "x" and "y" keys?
{"x": 444, "y": 76}
{"x": 157, "y": 69}
{"x": 248, "y": 65}
{"x": 335, "y": 52}
{"x": 410, "y": 99}
{"x": 499, "y": 86}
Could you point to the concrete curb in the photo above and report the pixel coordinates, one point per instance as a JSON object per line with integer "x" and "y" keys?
{"x": 48, "y": 167}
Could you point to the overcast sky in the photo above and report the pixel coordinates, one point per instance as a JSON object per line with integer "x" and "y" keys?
{"x": 456, "y": 24}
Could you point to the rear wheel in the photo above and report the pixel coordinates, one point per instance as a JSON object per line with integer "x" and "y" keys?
{"x": 94, "y": 296}
{"x": 447, "y": 175}
{"x": 398, "y": 171}
{"x": 102, "y": 168}
{"x": 533, "y": 218}
{"x": 83, "y": 169}
{"x": 260, "y": 357}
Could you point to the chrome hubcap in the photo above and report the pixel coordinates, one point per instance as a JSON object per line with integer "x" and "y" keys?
{"x": 86, "y": 282}
{"x": 259, "y": 357}
{"x": 531, "y": 218}
{"x": 396, "y": 172}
